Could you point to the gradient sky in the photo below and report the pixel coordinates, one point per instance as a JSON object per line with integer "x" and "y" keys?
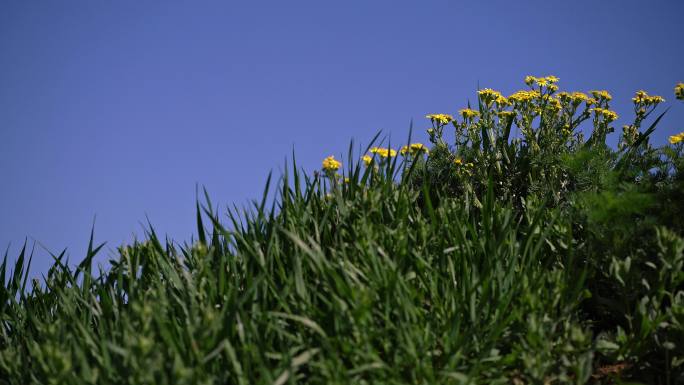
{"x": 118, "y": 109}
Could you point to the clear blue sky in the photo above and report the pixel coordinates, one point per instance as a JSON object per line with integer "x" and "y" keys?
{"x": 119, "y": 108}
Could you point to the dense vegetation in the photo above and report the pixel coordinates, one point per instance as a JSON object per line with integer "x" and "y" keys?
{"x": 518, "y": 252}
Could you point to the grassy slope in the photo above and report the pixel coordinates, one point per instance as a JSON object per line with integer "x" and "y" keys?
{"x": 387, "y": 278}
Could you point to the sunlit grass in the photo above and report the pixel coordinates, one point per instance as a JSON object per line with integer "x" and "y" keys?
{"x": 542, "y": 257}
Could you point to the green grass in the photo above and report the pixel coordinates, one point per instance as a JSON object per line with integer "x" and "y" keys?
{"x": 544, "y": 262}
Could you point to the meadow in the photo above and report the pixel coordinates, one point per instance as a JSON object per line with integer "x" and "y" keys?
{"x": 524, "y": 251}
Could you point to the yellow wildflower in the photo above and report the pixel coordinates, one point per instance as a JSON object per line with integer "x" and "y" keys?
{"x": 641, "y": 97}
{"x": 591, "y": 101}
{"x": 679, "y": 91}
{"x": 468, "y": 113}
{"x": 367, "y": 159}
{"x": 383, "y": 152}
{"x": 519, "y": 96}
{"x": 541, "y": 81}
{"x": 566, "y": 98}
{"x": 488, "y": 92}
{"x": 458, "y": 161}
{"x": 502, "y": 101}
{"x": 414, "y": 148}
{"x": 655, "y": 99}
{"x": 563, "y": 96}
{"x": 330, "y": 164}
{"x": 488, "y": 95}
{"x": 578, "y": 97}
{"x": 419, "y": 147}
{"x": 608, "y": 115}
{"x": 440, "y": 118}
{"x": 601, "y": 94}
{"x": 676, "y": 138}
{"x": 523, "y": 96}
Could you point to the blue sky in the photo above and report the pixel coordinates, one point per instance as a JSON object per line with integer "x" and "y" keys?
{"x": 119, "y": 109}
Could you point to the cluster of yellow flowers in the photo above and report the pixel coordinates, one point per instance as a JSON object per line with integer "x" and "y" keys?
{"x": 608, "y": 115}
{"x": 581, "y": 97}
{"x": 553, "y": 103}
{"x": 331, "y": 164}
{"x": 467, "y": 113}
{"x": 575, "y": 97}
{"x": 383, "y": 152}
{"x": 524, "y": 96}
{"x": 601, "y": 94}
{"x": 414, "y": 148}
{"x": 489, "y": 96}
{"x": 440, "y": 118}
{"x": 641, "y": 97}
{"x": 679, "y": 91}
{"x": 540, "y": 98}
{"x": 411, "y": 149}
{"x": 544, "y": 81}
{"x": 677, "y": 138}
